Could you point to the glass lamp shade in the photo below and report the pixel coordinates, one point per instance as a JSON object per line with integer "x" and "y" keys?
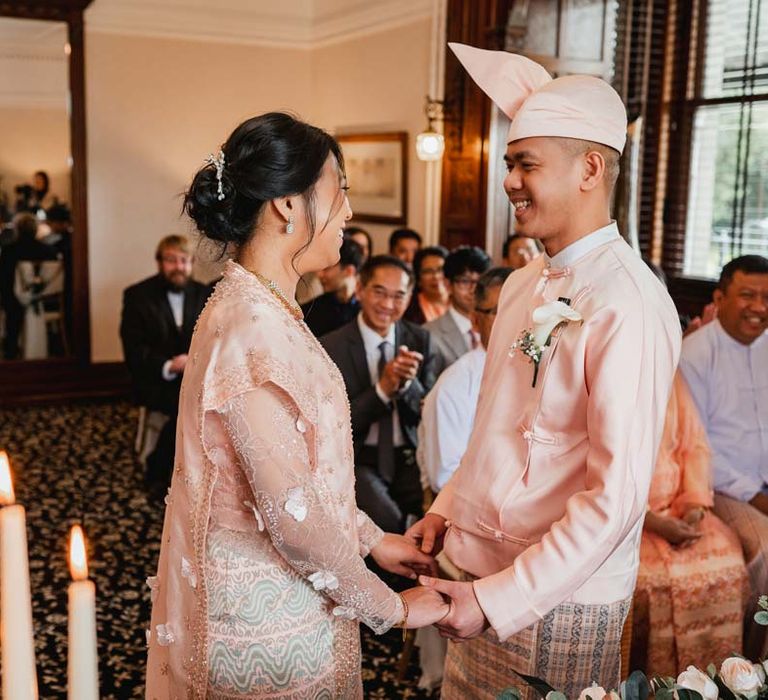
{"x": 430, "y": 145}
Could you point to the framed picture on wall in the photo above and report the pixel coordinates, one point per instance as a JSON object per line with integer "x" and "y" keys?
{"x": 377, "y": 174}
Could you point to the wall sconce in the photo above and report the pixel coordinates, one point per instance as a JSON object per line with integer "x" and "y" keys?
{"x": 430, "y": 143}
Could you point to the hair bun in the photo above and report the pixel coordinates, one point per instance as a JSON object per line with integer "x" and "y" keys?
{"x": 213, "y": 216}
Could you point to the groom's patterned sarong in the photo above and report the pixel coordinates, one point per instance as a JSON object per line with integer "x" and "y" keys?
{"x": 572, "y": 647}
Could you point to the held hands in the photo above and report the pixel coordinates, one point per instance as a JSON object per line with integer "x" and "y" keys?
{"x": 403, "y": 368}
{"x": 178, "y": 363}
{"x": 465, "y": 618}
{"x": 425, "y": 607}
{"x": 428, "y": 533}
{"x": 399, "y": 555}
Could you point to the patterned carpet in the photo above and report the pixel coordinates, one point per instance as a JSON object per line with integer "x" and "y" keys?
{"x": 75, "y": 463}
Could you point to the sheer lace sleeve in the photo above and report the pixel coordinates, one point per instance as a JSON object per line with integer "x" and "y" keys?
{"x": 274, "y": 444}
{"x": 369, "y": 533}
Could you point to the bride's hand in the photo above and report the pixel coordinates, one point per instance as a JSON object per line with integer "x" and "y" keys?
{"x": 399, "y": 555}
{"x": 425, "y": 607}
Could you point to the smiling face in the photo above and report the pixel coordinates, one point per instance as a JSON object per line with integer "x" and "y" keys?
{"x": 742, "y": 308}
{"x": 543, "y": 184}
{"x": 332, "y": 211}
{"x": 384, "y": 298}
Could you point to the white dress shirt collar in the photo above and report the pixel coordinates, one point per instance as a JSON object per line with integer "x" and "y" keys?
{"x": 578, "y": 249}
{"x": 730, "y": 340}
{"x": 371, "y": 339}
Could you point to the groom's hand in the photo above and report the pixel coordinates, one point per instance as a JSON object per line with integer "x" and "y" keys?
{"x": 428, "y": 533}
{"x": 399, "y": 555}
{"x": 465, "y": 619}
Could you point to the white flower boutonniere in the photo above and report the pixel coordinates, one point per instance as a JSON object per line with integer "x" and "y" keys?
{"x": 545, "y": 318}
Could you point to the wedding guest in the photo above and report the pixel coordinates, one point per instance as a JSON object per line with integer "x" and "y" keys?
{"x": 430, "y": 298}
{"x": 725, "y": 364}
{"x": 261, "y": 582}
{"x": 159, "y": 315}
{"x": 453, "y": 333}
{"x": 362, "y": 238}
{"x": 692, "y": 584}
{"x": 404, "y": 243}
{"x": 387, "y": 365}
{"x": 338, "y": 305}
{"x": 519, "y": 250}
{"x": 544, "y": 515}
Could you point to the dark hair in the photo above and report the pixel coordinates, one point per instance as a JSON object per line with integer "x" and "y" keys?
{"x": 58, "y": 212}
{"x": 266, "y": 157}
{"x": 748, "y": 264}
{"x": 377, "y": 261}
{"x": 25, "y": 225}
{"x": 352, "y": 230}
{"x": 434, "y": 250}
{"x": 403, "y": 234}
{"x": 494, "y": 277}
{"x": 351, "y": 253}
{"x": 514, "y": 237}
{"x": 45, "y": 177}
{"x": 466, "y": 258}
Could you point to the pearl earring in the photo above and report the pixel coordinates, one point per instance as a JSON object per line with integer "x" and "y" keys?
{"x": 289, "y": 227}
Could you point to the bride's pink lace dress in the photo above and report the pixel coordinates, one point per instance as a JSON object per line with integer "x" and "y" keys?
{"x": 261, "y": 580}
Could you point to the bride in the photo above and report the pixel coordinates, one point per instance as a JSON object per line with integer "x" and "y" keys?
{"x": 261, "y": 580}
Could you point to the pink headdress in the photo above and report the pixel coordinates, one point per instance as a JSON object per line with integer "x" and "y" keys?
{"x": 574, "y": 106}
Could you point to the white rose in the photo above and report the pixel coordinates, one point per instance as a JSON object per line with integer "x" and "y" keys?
{"x": 595, "y": 692}
{"x": 693, "y": 679}
{"x": 740, "y": 676}
{"x": 547, "y": 317}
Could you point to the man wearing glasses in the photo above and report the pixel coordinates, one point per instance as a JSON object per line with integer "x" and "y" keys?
{"x": 386, "y": 364}
{"x": 159, "y": 315}
{"x": 453, "y": 333}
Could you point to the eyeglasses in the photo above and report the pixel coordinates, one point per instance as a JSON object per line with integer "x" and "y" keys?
{"x": 381, "y": 294}
{"x": 487, "y": 312}
{"x": 464, "y": 282}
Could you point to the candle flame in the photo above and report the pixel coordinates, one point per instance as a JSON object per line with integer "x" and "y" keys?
{"x": 7, "y": 496}
{"x": 78, "y": 566}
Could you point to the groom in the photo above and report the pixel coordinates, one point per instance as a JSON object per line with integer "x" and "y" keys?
{"x": 544, "y": 515}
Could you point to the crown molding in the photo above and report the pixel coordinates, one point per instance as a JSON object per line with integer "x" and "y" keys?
{"x": 34, "y": 99}
{"x": 247, "y": 25}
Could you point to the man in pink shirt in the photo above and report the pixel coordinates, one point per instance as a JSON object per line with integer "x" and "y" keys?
{"x": 544, "y": 515}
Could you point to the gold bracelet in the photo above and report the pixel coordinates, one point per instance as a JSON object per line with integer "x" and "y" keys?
{"x": 404, "y": 623}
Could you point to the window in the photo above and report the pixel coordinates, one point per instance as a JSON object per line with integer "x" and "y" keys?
{"x": 727, "y": 204}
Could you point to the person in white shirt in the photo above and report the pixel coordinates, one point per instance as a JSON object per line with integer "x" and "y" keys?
{"x": 726, "y": 366}
{"x": 449, "y": 409}
{"x": 453, "y": 333}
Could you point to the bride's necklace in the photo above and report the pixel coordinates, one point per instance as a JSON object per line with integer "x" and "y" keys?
{"x": 292, "y": 308}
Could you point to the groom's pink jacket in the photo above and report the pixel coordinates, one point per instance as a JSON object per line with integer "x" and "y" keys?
{"x": 548, "y": 503}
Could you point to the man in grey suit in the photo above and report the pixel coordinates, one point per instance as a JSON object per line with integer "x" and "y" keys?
{"x": 453, "y": 333}
{"x": 386, "y": 364}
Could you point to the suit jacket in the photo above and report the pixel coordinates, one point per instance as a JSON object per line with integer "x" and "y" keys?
{"x": 548, "y": 503}
{"x": 345, "y": 347}
{"x": 448, "y": 341}
{"x": 326, "y": 313}
{"x": 150, "y": 338}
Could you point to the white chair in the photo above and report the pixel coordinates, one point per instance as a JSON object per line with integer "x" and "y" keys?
{"x": 150, "y": 424}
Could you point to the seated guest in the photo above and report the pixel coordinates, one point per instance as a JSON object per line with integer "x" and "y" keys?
{"x": 692, "y": 584}
{"x": 430, "y": 299}
{"x": 21, "y": 245}
{"x": 725, "y": 364}
{"x": 404, "y": 243}
{"x": 386, "y": 364}
{"x": 452, "y": 333}
{"x": 338, "y": 304}
{"x": 449, "y": 409}
{"x": 519, "y": 250}
{"x": 159, "y": 315}
{"x": 362, "y": 238}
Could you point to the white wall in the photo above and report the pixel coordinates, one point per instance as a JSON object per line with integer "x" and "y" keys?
{"x": 156, "y": 107}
